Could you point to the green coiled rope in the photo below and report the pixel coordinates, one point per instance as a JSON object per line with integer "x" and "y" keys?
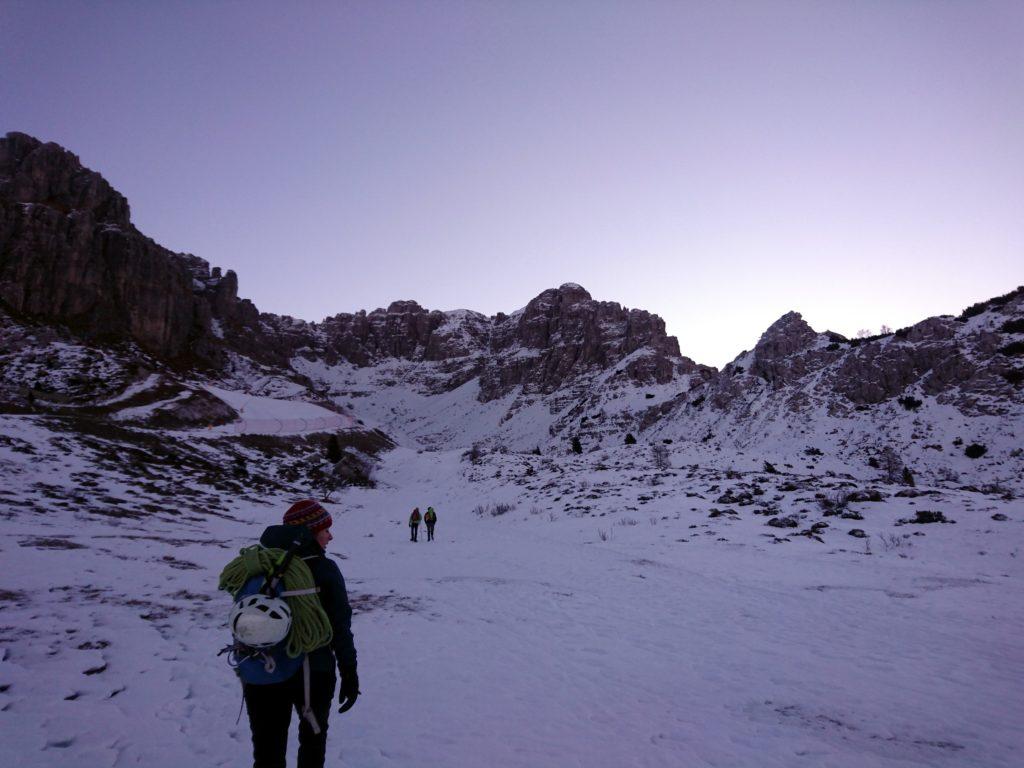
{"x": 311, "y": 629}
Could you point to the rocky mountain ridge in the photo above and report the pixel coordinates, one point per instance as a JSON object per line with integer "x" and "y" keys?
{"x": 564, "y": 366}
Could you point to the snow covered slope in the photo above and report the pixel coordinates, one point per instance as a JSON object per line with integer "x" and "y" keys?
{"x": 584, "y": 612}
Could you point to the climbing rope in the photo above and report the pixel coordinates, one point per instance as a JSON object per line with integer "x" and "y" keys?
{"x": 311, "y": 629}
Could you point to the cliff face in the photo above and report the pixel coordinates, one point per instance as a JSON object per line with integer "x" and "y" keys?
{"x": 69, "y": 254}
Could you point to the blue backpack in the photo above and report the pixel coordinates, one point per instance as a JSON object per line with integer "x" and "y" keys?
{"x": 262, "y": 666}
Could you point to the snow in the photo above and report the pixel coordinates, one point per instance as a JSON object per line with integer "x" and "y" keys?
{"x": 605, "y": 621}
{"x": 272, "y": 416}
{"x": 132, "y": 389}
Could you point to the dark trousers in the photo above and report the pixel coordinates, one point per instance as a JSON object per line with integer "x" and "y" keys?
{"x": 430, "y": 531}
{"x": 413, "y": 531}
{"x": 270, "y": 713}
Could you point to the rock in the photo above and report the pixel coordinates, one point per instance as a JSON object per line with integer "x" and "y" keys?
{"x": 783, "y": 522}
{"x": 857, "y": 533}
{"x": 69, "y": 255}
{"x": 869, "y": 495}
{"x": 1000, "y": 517}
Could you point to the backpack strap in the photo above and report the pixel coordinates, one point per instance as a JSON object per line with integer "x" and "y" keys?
{"x": 307, "y": 710}
{"x": 297, "y": 592}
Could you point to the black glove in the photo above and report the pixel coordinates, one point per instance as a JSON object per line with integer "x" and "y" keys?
{"x": 349, "y": 687}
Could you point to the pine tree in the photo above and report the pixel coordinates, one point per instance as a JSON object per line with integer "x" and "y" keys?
{"x": 630, "y": 440}
{"x": 576, "y": 447}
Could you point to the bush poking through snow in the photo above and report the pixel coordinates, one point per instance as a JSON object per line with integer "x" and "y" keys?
{"x": 891, "y": 541}
{"x": 910, "y": 403}
{"x": 630, "y": 440}
{"x": 924, "y": 516}
{"x": 834, "y": 503}
{"x": 660, "y": 456}
{"x": 770, "y": 468}
{"x": 494, "y": 510}
{"x": 975, "y": 451}
{"x": 577, "y": 447}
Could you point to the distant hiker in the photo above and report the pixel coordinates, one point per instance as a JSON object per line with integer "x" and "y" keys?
{"x": 414, "y": 524}
{"x": 430, "y": 518}
{"x": 281, "y": 576}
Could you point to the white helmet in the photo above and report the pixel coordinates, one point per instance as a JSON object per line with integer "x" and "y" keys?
{"x": 260, "y": 621}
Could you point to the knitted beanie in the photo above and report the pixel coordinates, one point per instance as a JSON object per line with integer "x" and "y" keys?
{"x": 310, "y": 514}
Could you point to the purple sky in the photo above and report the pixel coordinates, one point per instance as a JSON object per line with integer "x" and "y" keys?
{"x": 716, "y": 163}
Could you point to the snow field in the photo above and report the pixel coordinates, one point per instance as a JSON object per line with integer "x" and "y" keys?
{"x": 522, "y": 640}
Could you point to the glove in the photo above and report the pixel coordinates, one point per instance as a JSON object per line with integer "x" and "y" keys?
{"x": 349, "y": 687}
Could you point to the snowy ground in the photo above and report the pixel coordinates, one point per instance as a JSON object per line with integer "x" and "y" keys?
{"x": 606, "y": 620}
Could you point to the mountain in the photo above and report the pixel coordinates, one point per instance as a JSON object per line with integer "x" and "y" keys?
{"x": 101, "y": 321}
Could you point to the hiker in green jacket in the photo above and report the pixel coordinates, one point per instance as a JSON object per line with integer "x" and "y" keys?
{"x": 414, "y": 524}
{"x": 430, "y": 518}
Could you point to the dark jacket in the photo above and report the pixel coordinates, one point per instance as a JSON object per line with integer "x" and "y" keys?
{"x": 333, "y": 595}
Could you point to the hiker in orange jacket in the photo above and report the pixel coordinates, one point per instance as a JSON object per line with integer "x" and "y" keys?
{"x": 414, "y": 524}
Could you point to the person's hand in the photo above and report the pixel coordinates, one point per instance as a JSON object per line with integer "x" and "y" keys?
{"x": 349, "y": 688}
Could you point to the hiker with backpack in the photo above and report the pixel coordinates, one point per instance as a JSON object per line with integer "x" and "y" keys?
{"x": 430, "y": 518}
{"x": 291, "y": 623}
{"x": 414, "y": 524}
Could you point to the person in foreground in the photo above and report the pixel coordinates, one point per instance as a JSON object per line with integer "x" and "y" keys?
{"x": 270, "y": 706}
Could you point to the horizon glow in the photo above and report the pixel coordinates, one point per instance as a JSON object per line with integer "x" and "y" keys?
{"x": 717, "y": 164}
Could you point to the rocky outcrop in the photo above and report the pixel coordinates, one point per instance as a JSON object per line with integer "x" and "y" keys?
{"x": 779, "y": 355}
{"x": 564, "y": 332}
{"x": 69, "y": 255}
{"x": 970, "y": 363}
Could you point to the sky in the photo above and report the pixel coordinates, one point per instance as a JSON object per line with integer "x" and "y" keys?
{"x": 718, "y": 164}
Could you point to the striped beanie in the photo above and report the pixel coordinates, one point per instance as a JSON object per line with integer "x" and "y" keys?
{"x": 310, "y": 514}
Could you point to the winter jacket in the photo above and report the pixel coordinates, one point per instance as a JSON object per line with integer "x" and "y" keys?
{"x": 414, "y": 518}
{"x": 333, "y": 596}
{"x": 430, "y": 516}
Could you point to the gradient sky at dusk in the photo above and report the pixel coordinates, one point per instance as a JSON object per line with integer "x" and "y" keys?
{"x": 715, "y": 163}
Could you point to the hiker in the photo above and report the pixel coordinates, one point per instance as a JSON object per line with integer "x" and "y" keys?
{"x": 414, "y": 524}
{"x": 430, "y": 518}
{"x": 270, "y": 706}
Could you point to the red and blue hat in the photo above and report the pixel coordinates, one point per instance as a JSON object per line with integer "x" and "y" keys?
{"x": 309, "y": 513}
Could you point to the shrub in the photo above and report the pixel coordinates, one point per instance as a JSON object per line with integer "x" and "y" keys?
{"x": 834, "y": 503}
{"x": 577, "y": 447}
{"x": 975, "y": 451}
{"x": 494, "y": 510}
{"x": 333, "y": 449}
{"x": 812, "y": 451}
{"x": 630, "y": 440}
{"x": 910, "y": 403}
{"x": 924, "y": 516}
{"x": 1014, "y": 375}
{"x": 698, "y": 401}
{"x": 1013, "y": 326}
{"x": 660, "y": 455}
{"x": 998, "y": 301}
{"x": 770, "y": 468}
{"x": 908, "y": 477}
{"x": 536, "y": 451}
{"x": 1014, "y": 348}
